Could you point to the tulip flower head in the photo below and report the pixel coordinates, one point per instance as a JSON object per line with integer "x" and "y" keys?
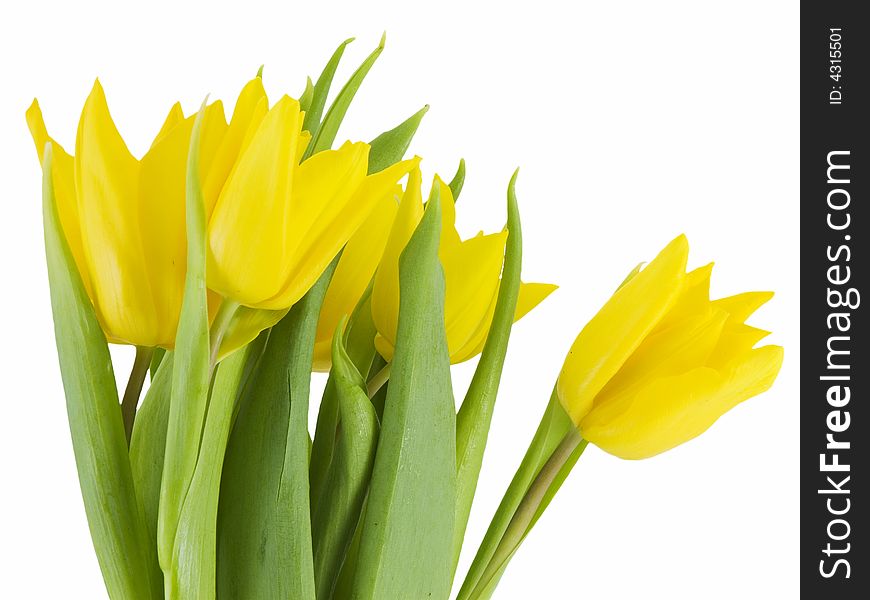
{"x": 472, "y": 275}
{"x": 660, "y": 362}
{"x": 356, "y": 267}
{"x": 123, "y": 218}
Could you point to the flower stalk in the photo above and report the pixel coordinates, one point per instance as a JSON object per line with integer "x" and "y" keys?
{"x": 141, "y": 365}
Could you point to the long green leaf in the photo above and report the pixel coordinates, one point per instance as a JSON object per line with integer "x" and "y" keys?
{"x": 264, "y": 522}
{"x": 336, "y": 512}
{"x": 147, "y": 449}
{"x": 194, "y": 557}
{"x": 360, "y": 347}
{"x": 321, "y": 90}
{"x": 190, "y": 373}
{"x": 325, "y": 135}
{"x": 475, "y": 415}
{"x": 405, "y": 549}
{"x": 390, "y": 146}
{"x": 458, "y": 180}
{"x": 115, "y": 517}
{"x": 554, "y": 425}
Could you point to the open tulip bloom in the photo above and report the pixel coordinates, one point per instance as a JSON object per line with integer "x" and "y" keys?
{"x": 239, "y": 256}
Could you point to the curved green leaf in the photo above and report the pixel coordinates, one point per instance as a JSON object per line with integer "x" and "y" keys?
{"x": 194, "y": 555}
{"x": 405, "y": 548}
{"x": 264, "y": 519}
{"x": 147, "y": 449}
{"x": 336, "y": 511}
{"x": 475, "y": 414}
{"x": 458, "y": 180}
{"x": 553, "y": 428}
{"x": 321, "y": 90}
{"x": 324, "y": 136}
{"x": 115, "y": 516}
{"x": 190, "y": 374}
{"x": 389, "y": 148}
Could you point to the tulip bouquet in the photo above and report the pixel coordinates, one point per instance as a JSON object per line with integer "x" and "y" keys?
{"x": 238, "y": 257}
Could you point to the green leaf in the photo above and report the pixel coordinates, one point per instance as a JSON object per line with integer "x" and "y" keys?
{"x": 147, "y": 448}
{"x": 405, "y": 548}
{"x": 360, "y": 337}
{"x": 389, "y": 148}
{"x": 324, "y": 136}
{"x": 194, "y": 559}
{"x": 553, "y": 428}
{"x": 156, "y": 359}
{"x": 190, "y": 373}
{"x": 458, "y": 180}
{"x": 321, "y": 90}
{"x": 264, "y": 521}
{"x": 475, "y": 415}
{"x": 336, "y": 511}
{"x": 115, "y": 517}
{"x": 307, "y": 96}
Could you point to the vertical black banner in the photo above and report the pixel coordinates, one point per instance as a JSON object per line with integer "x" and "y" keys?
{"x": 835, "y": 368}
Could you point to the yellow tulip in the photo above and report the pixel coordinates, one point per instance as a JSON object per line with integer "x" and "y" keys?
{"x": 354, "y": 271}
{"x": 472, "y": 275}
{"x": 123, "y": 218}
{"x": 277, "y": 224}
{"x": 660, "y": 362}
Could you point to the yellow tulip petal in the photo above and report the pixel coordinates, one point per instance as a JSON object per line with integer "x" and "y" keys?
{"x": 619, "y": 328}
{"x": 694, "y": 299}
{"x": 673, "y": 410}
{"x": 162, "y": 223}
{"x": 472, "y": 273}
{"x": 449, "y": 236}
{"x": 532, "y": 294}
{"x": 250, "y": 232}
{"x": 352, "y": 275}
{"x": 246, "y": 324}
{"x": 333, "y": 228}
{"x": 107, "y": 182}
{"x": 677, "y": 349}
{"x": 385, "y": 294}
{"x": 246, "y": 114}
{"x": 736, "y": 339}
{"x": 175, "y": 116}
{"x": 741, "y": 306}
{"x": 63, "y": 176}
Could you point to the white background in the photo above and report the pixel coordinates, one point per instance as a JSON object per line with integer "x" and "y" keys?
{"x": 632, "y": 122}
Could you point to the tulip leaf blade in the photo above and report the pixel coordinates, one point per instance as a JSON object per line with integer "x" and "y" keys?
{"x": 554, "y": 426}
{"x": 194, "y": 555}
{"x": 264, "y": 523}
{"x": 115, "y": 518}
{"x": 190, "y": 373}
{"x": 147, "y": 448}
{"x": 475, "y": 415}
{"x": 405, "y": 545}
{"x": 321, "y": 89}
{"x": 307, "y": 96}
{"x": 360, "y": 348}
{"x": 336, "y": 511}
{"x": 325, "y": 135}
{"x": 390, "y": 146}
{"x": 458, "y": 180}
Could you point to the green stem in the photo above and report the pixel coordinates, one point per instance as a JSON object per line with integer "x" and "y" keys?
{"x": 525, "y": 513}
{"x": 378, "y": 380}
{"x": 141, "y": 364}
{"x": 219, "y": 327}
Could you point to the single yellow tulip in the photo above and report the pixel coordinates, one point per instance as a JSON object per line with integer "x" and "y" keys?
{"x": 660, "y": 362}
{"x": 123, "y": 218}
{"x": 277, "y": 224}
{"x": 472, "y": 275}
{"x": 354, "y": 271}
